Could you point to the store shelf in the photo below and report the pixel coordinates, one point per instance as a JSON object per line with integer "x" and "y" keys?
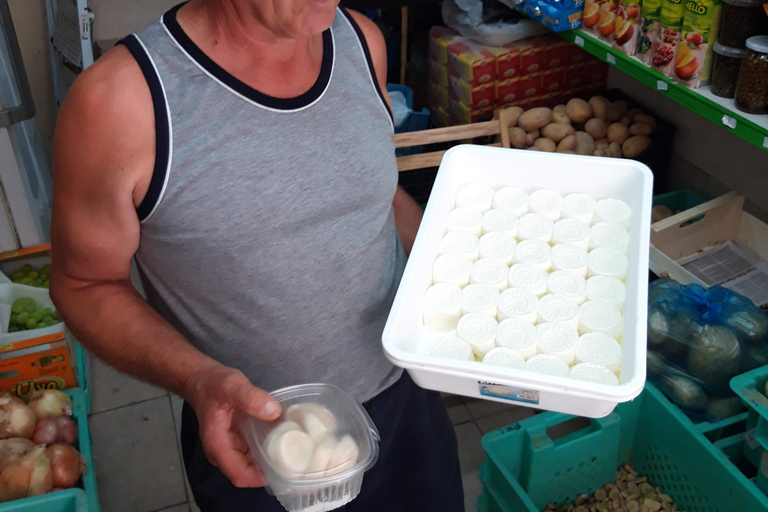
{"x": 720, "y": 111}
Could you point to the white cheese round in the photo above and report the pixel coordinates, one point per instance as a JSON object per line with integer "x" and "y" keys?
{"x": 452, "y": 269}
{"x": 497, "y": 245}
{"x": 547, "y": 202}
{"x": 548, "y": 365}
{"x": 570, "y": 257}
{"x": 607, "y": 289}
{"x": 567, "y": 284}
{"x": 452, "y": 347}
{"x": 535, "y": 226}
{"x": 607, "y": 262}
{"x": 593, "y": 373}
{"x": 502, "y": 356}
{"x": 534, "y": 252}
{"x": 465, "y": 219}
{"x": 571, "y": 231}
{"x": 612, "y": 210}
{"x": 518, "y": 303}
{"x": 460, "y": 242}
{"x": 442, "y": 307}
{"x": 517, "y": 335}
{"x": 490, "y": 271}
{"x": 499, "y": 221}
{"x": 595, "y": 316}
{"x": 578, "y": 206}
{"x": 475, "y": 195}
{"x": 528, "y": 277}
{"x": 600, "y": 349}
{"x": 556, "y": 308}
{"x": 608, "y": 234}
{"x": 479, "y": 330}
{"x": 479, "y": 298}
{"x": 511, "y": 198}
{"x": 557, "y": 339}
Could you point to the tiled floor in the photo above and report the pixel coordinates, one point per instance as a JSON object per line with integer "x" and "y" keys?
{"x": 137, "y": 456}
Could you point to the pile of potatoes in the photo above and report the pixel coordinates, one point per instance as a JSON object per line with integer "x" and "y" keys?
{"x": 596, "y": 127}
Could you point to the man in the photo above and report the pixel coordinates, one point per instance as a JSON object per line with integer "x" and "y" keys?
{"x": 241, "y": 151}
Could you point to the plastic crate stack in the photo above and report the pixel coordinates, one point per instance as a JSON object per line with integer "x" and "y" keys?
{"x": 469, "y": 80}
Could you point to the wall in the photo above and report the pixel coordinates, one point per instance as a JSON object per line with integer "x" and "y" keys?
{"x": 707, "y": 158}
{"x": 30, "y": 23}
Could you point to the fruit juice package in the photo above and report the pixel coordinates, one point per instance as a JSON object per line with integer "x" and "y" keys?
{"x": 650, "y": 28}
{"x": 701, "y": 24}
{"x": 438, "y": 73}
{"x": 440, "y": 38}
{"x": 608, "y": 14}
{"x": 475, "y": 98}
{"x": 627, "y": 27}
{"x": 33, "y": 364}
{"x": 473, "y": 62}
{"x": 438, "y": 96}
{"x": 671, "y": 26}
{"x": 591, "y": 21}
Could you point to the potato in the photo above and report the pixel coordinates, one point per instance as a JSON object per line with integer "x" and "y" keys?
{"x": 617, "y": 132}
{"x": 626, "y": 121}
{"x": 614, "y": 150}
{"x": 561, "y": 118}
{"x": 598, "y": 152}
{"x": 642, "y": 118}
{"x": 633, "y": 146}
{"x": 511, "y": 115}
{"x": 599, "y": 106}
{"x": 517, "y": 137}
{"x": 596, "y": 127}
{"x": 631, "y": 113}
{"x": 544, "y": 144}
{"x": 567, "y": 144}
{"x": 531, "y": 137}
{"x": 579, "y": 111}
{"x": 559, "y": 108}
{"x": 612, "y": 114}
{"x": 641, "y": 129}
{"x": 568, "y": 152}
{"x": 585, "y": 144}
{"x": 534, "y": 118}
{"x": 602, "y": 144}
{"x": 622, "y": 106}
{"x": 557, "y": 132}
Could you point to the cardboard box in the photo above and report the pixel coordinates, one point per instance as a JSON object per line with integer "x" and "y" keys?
{"x": 440, "y": 38}
{"x": 556, "y": 55}
{"x": 510, "y": 92}
{"x": 532, "y": 58}
{"x": 438, "y": 96}
{"x": 474, "y": 98}
{"x": 438, "y": 73}
{"x": 552, "y": 81}
{"x": 473, "y": 62}
{"x": 460, "y": 114}
{"x": 596, "y": 72}
{"x": 575, "y": 76}
{"x": 38, "y": 363}
{"x": 439, "y": 117}
{"x": 508, "y": 63}
{"x": 576, "y": 55}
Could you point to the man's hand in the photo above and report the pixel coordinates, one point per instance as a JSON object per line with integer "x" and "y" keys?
{"x": 221, "y": 398}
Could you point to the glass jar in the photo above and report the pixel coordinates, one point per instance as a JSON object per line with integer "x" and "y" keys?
{"x": 752, "y": 88}
{"x": 725, "y": 70}
{"x": 741, "y": 19}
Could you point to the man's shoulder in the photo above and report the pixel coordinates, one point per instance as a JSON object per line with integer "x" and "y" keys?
{"x": 371, "y": 32}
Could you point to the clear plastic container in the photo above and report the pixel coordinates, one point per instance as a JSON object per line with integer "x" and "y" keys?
{"x": 752, "y": 88}
{"x": 725, "y": 72}
{"x": 741, "y": 19}
{"x": 326, "y": 421}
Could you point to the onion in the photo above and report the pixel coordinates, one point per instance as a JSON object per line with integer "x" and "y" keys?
{"x": 55, "y": 430}
{"x": 14, "y": 449}
{"x": 16, "y": 419}
{"x": 67, "y": 465}
{"x": 28, "y": 476}
{"x": 50, "y": 402}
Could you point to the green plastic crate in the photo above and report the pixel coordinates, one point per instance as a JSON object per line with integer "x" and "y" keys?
{"x": 750, "y": 387}
{"x": 83, "y": 377}
{"x": 526, "y": 469}
{"x": 70, "y": 500}
{"x": 678, "y": 200}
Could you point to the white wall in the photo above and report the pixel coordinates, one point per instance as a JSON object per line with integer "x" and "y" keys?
{"x": 707, "y": 157}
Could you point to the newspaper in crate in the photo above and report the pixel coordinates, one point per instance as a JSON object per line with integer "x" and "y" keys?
{"x": 495, "y": 390}
{"x": 734, "y": 266}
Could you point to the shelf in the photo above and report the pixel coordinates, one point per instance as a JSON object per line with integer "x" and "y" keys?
{"x": 721, "y": 111}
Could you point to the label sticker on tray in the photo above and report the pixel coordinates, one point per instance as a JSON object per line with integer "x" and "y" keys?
{"x": 750, "y": 438}
{"x": 529, "y": 396}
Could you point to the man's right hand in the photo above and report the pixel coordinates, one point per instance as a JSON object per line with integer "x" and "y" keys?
{"x": 221, "y": 397}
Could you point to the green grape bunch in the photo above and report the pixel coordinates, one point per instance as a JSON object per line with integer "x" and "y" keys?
{"x": 29, "y": 276}
{"x": 27, "y": 315}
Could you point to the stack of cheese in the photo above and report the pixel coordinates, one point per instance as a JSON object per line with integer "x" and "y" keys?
{"x": 532, "y": 281}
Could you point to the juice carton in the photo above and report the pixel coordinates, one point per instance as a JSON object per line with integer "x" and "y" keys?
{"x": 650, "y": 30}
{"x": 475, "y": 98}
{"x": 440, "y": 38}
{"x": 608, "y": 15}
{"x": 438, "y": 73}
{"x": 472, "y": 62}
{"x": 556, "y": 55}
{"x": 552, "y": 81}
{"x": 627, "y": 27}
{"x": 438, "y": 96}
{"x": 508, "y": 63}
{"x": 701, "y": 24}
{"x": 591, "y": 21}
{"x": 671, "y": 26}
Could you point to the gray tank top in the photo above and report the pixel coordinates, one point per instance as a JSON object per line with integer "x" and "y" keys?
{"x": 267, "y": 234}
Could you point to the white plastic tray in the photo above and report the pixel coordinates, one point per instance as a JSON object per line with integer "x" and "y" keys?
{"x": 407, "y": 343}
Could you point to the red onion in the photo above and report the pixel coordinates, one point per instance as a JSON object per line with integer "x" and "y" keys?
{"x": 67, "y": 465}
{"x": 16, "y": 419}
{"x": 14, "y": 449}
{"x": 60, "y": 429}
{"x": 50, "y": 402}
{"x": 28, "y": 476}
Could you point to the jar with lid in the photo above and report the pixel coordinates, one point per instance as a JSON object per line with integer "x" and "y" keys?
{"x": 741, "y": 19}
{"x": 725, "y": 70}
{"x": 752, "y": 88}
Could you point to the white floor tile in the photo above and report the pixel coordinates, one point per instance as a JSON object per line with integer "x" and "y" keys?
{"x": 504, "y": 418}
{"x": 184, "y": 507}
{"x": 136, "y": 457}
{"x": 457, "y": 410}
{"x": 481, "y": 408}
{"x": 111, "y": 389}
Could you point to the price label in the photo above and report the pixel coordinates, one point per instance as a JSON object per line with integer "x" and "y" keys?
{"x": 750, "y": 438}
{"x": 611, "y": 58}
{"x": 662, "y": 85}
{"x": 579, "y": 41}
{"x": 765, "y": 142}
{"x": 729, "y": 122}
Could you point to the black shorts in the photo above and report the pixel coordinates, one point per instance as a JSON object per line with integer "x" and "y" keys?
{"x": 417, "y": 470}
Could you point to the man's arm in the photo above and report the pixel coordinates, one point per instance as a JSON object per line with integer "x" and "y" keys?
{"x": 407, "y": 212}
{"x": 104, "y": 153}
